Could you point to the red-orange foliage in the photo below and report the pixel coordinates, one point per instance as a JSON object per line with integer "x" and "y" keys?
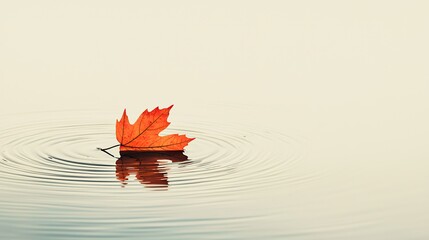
{"x": 143, "y": 135}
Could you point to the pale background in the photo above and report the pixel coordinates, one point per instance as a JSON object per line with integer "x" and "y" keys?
{"x": 77, "y": 54}
{"x": 350, "y": 79}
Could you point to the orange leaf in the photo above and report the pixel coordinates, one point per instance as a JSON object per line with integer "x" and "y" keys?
{"x": 143, "y": 135}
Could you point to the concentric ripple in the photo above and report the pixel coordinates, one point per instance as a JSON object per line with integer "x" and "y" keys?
{"x": 73, "y": 185}
{"x": 224, "y": 157}
{"x": 230, "y": 158}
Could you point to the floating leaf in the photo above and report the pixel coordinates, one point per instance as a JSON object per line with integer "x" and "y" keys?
{"x": 143, "y": 135}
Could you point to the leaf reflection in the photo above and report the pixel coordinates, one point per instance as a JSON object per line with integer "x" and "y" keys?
{"x": 148, "y": 167}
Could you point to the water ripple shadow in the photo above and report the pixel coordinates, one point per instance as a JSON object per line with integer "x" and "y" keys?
{"x": 148, "y": 167}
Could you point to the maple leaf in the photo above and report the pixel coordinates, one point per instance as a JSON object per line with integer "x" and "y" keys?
{"x": 143, "y": 135}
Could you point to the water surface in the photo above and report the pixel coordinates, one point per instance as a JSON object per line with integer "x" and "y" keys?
{"x": 236, "y": 180}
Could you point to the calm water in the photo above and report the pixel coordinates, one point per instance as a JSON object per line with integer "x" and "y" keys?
{"x": 238, "y": 180}
{"x": 57, "y": 184}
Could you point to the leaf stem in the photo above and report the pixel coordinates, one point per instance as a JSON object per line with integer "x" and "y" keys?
{"x": 104, "y": 149}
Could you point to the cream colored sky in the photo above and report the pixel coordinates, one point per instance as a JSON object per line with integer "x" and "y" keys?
{"x": 71, "y": 54}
